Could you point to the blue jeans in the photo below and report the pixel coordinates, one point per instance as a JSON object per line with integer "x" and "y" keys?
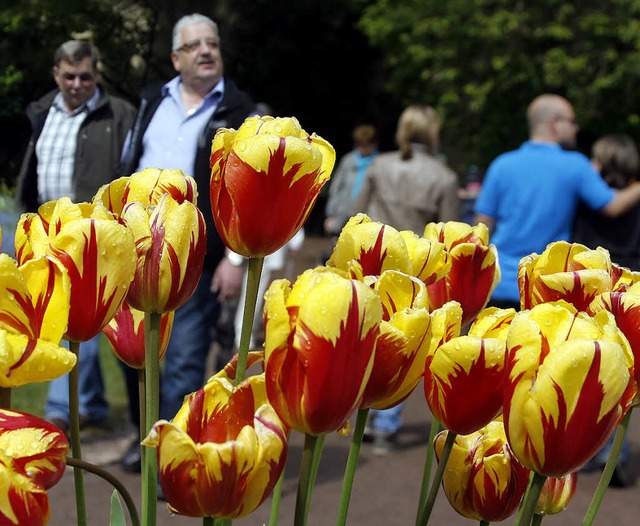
{"x": 191, "y": 337}
{"x": 91, "y": 398}
{"x": 387, "y": 420}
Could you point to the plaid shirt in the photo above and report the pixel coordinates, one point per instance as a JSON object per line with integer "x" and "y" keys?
{"x": 56, "y": 148}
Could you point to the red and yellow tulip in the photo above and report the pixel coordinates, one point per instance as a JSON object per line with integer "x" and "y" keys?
{"x": 464, "y": 377}
{"x": 265, "y": 179}
{"x": 483, "y": 480}
{"x": 564, "y": 271}
{"x": 368, "y": 248}
{"x": 405, "y": 340}
{"x": 320, "y": 337}
{"x": 569, "y": 383}
{"x": 37, "y": 447}
{"x": 34, "y": 311}
{"x": 170, "y": 241}
{"x": 97, "y": 251}
{"x": 474, "y": 267}
{"x": 223, "y": 452}
{"x": 32, "y": 460}
{"x": 147, "y": 187}
{"x": 625, "y": 308}
{"x": 556, "y": 494}
{"x": 125, "y": 333}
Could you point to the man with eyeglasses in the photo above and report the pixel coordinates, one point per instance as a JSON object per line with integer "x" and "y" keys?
{"x": 174, "y": 128}
{"x": 530, "y": 195}
{"x": 78, "y": 132}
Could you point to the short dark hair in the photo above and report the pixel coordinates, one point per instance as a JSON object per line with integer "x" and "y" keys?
{"x": 76, "y": 50}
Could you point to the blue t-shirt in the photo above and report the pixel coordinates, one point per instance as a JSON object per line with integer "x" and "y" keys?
{"x": 532, "y": 194}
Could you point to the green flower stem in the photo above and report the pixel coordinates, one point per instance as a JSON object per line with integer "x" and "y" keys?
{"x": 5, "y": 397}
{"x": 114, "y": 481}
{"x": 608, "y": 470}
{"x": 537, "y": 519}
{"x": 151, "y": 415}
{"x": 308, "y": 470}
{"x": 527, "y": 511}
{"x": 74, "y": 437}
{"x": 437, "y": 478}
{"x": 426, "y": 476}
{"x": 276, "y": 498}
{"x": 352, "y": 463}
{"x": 142, "y": 400}
{"x": 251, "y": 298}
{"x": 484, "y": 523}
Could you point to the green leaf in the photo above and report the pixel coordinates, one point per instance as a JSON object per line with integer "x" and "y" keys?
{"x": 116, "y": 516}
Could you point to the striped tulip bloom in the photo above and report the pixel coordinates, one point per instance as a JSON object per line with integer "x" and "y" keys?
{"x": 22, "y": 501}
{"x": 265, "y": 179}
{"x": 368, "y": 248}
{"x": 34, "y": 310}
{"x": 483, "y": 480}
{"x": 564, "y": 271}
{"x": 464, "y": 377}
{"x": 556, "y": 494}
{"x": 223, "y": 452}
{"x": 569, "y": 383}
{"x": 170, "y": 241}
{"x": 474, "y": 267}
{"x": 625, "y": 308}
{"x": 97, "y": 251}
{"x": 320, "y": 337}
{"x": 405, "y": 340}
{"x": 32, "y": 460}
{"x": 125, "y": 333}
{"x": 42, "y": 450}
{"x": 147, "y": 187}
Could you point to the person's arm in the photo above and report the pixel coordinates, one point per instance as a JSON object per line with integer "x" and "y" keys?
{"x": 622, "y": 201}
{"x": 487, "y": 220}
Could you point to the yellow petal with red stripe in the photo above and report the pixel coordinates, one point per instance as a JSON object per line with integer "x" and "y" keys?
{"x": 170, "y": 241}
{"x": 37, "y": 447}
{"x": 99, "y": 256}
{"x": 265, "y": 179}
{"x": 223, "y": 452}
{"x": 22, "y": 501}
{"x": 569, "y": 384}
{"x": 404, "y": 341}
{"x": 483, "y": 480}
{"x": 320, "y": 337}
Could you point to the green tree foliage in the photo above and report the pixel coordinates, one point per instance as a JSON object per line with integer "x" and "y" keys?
{"x": 480, "y": 62}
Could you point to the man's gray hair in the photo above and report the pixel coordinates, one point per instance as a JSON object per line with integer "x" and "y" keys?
{"x": 188, "y": 20}
{"x": 76, "y": 50}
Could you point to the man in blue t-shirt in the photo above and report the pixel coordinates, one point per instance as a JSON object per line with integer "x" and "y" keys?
{"x": 530, "y": 195}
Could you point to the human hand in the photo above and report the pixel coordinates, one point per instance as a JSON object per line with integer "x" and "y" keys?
{"x": 227, "y": 279}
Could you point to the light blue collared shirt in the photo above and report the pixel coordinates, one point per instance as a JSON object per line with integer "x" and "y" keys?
{"x": 170, "y": 141}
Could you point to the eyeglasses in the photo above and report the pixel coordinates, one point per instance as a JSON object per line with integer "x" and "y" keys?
{"x": 84, "y": 77}
{"x": 190, "y": 47}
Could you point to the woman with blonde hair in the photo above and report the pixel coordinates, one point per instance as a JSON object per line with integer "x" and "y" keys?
{"x": 407, "y": 189}
{"x": 411, "y": 187}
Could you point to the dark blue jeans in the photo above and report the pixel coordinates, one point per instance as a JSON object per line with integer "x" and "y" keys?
{"x": 183, "y": 368}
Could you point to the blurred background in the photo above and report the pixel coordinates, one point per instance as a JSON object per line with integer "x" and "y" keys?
{"x": 338, "y": 63}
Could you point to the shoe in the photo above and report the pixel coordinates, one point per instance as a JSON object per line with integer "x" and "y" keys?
{"x": 622, "y": 477}
{"x": 384, "y": 443}
{"x": 131, "y": 461}
{"x": 87, "y": 421}
{"x": 369, "y": 435}
{"x": 60, "y": 423}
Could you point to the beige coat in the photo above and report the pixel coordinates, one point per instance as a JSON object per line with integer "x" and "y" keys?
{"x": 409, "y": 194}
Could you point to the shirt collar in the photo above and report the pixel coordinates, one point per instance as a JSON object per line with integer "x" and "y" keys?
{"x": 174, "y": 86}
{"x": 88, "y": 106}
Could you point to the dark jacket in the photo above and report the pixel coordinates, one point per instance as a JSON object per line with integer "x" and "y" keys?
{"x": 231, "y": 112}
{"x": 99, "y": 147}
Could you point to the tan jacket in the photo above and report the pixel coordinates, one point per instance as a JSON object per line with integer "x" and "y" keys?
{"x": 409, "y": 194}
